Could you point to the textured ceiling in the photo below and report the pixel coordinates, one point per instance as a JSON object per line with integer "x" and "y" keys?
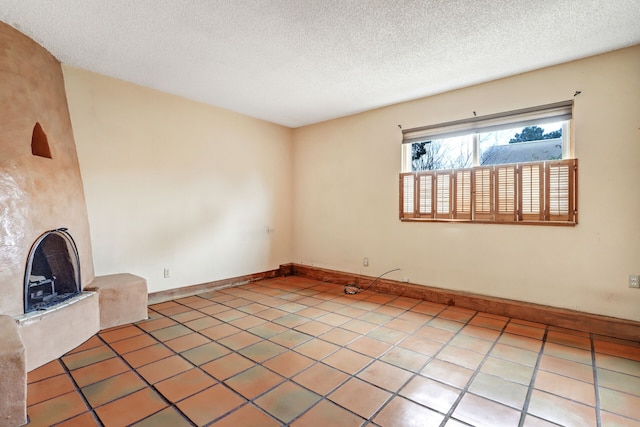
{"x": 296, "y": 62}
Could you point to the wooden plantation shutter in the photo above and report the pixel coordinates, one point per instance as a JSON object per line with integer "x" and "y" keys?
{"x": 425, "y": 195}
{"x": 560, "y": 190}
{"x": 531, "y": 203}
{"x": 483, "y": 197}
{"x": 407, "y": 195}
{"x": 505, "y": 189}
{"x": 443, "y": 190}
{"x": 462, "y": 207}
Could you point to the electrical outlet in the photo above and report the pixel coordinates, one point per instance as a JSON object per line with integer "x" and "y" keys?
{"x": 167, "y": 273}
{"x": 365, "y": 262}
{"x": 633, "y": 281}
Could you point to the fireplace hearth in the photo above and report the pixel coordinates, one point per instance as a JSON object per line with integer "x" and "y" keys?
{"x": 53, "y": 271}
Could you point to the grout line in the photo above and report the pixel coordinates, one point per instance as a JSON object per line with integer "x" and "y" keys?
{"x": 596, "y": 388}
{"x": 525, "y": 407}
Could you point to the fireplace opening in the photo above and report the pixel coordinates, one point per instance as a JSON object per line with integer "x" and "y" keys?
{"x": 53, "y": 271}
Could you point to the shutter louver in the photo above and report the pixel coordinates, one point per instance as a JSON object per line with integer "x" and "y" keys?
{"x": 443, "y": 195}
{"x": 483, "y": 186}
{"x": 407, "y": 196}
{"x": 560, "y": 190}
{"x": 425, "y": 195}
{"x": 505, "y": 193}
{"x": 463, "y": 194}
{"x": 531, "y": 192}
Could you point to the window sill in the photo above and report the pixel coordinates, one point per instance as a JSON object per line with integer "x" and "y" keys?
{"x": 468, "y": 221}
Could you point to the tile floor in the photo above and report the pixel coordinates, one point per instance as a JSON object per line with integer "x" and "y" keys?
{"x": 292, "y": 351}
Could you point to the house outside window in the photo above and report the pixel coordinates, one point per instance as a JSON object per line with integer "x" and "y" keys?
{"x": 514, "y": 167}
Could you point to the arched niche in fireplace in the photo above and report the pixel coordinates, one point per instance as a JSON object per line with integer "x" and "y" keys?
{"x": 53, "y": 271}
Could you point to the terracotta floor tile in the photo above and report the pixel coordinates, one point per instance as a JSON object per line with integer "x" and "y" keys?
{"x": 290, "y": 338}
{"x": 347, "y": 361}
{"x": 262, "y": 351}
{"x": 561, "y": 411}
{"x": 488, "y": 322}
{"x": 49, "y": 388}
{"x": 569, "y": 340}
{"x": 618, "y": 364}
{"x": 483, "y": 333}
{"x": 520, "y": 342}
{"x": 152, "y": 325}
{"x": 562, "y": 386}
{"x": 531, "y": 421}
{"x": 99, "y": 371}
{"x": 321, "y": 378}
{"x": 227, "y": 366}
{"x": 458, "y": 356}
{"x": 92, "y": 342}
{"x": 316, "y": 349}
{"x": 386, "y": 376}
{"x": 186, "y": 342}
{"x": 401, "y": 412}
{"x": 369, "y": 346}
{"x": 515, "y": 354}
{"x": 120, "y": 333}
{"x": 291, "y": 307}
{"x": 147, "y": 355}
{"x": 190, "y": 315}
{"x": 174, "y": 310}
{"x": 237, "y": 302}
{"x": 389, "y": 311}
{"x": 112, "y": 388}
{"x": 333, "y": 319}
{"x": 351, "y": 395}
{"x": 358, "y": 326}
{"x": 130, "y": 409}
{"x": 163, "y": 305}
{"x": 614, "y": 420}
{"x": 446, "y": 324}
{"x": 247, "y": 322}
{"x": 205, "y": 353}
{"x": 457, "y": 314}
{"x": 220, "y": 331}
{"x": 87, "y": 357}
{"x": 184, "y": 385}
{"x": 471, "y": 343}
{"x": 253, "y": 308}
{"x": 202, "y": 323}
{"x": 568, "y": 368}
{"x": 327, "y": 413}
{"x": 271, "y": 314}
{"x": 339, "y": 336}
{"x": 421, "y": 345}
{"x": 406, "y": 359}
{"x": 619, "y": 381}
{"x": 510, "y": 371}
{"x": 480, "y": 412}
{"x": 267, "y": 330}
{"x": 254, "y": 381}
{"x": 229, "y": 315}
{"x": 429, "y": 308}
{"x": 435, "y": 334}
{"x": 287, "y": 401}
{"x": 628, "y": 350}
{"x": 431, "y": 393}
{"x": 619, "y": 403}
{"x": 311, "y": 312}
{"x": 291, "y": 320}
{"x": 240, "y": 340}
{"x": 524, "y": 330}
{"x": 48, "y": 370}
{"x": 171, "y": 332}
{"x": 165, "y": 368}
{"x": 376, "y": 318}
{"x": 448, "y": 373}
{"x": 247, "y": 416}
{"x": 569, "y": 353}
{"x": 54, "y": 410}
{"x": 499, "y": 390}
{"x": 200, "y": 410}
{"x": 314, "y": 328}
{"x": 351, "y": 312}
{"x": 288, "y": 364}
{"x": 83, "y": 420}
{"x": 134, "y": 343}
{"x": 168, "y": 417}
{"x": 388, "y": 335}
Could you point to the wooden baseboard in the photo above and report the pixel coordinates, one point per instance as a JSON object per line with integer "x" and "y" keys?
{"x": 565, "y": 318}
{"x": 187, "y": 291}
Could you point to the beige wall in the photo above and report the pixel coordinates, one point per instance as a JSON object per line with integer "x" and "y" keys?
{"x": 346, "y": 196}
{"x": 172, "y": 183}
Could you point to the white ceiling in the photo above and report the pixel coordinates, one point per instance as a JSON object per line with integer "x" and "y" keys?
{"x": 296, "y": 62}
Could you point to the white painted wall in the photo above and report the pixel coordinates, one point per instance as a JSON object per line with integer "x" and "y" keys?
{"x": 345, "y": 198}
{"x": 171, "y": 183}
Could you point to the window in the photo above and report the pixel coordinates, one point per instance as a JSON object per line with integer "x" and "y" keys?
{"x": 514, "y": 167}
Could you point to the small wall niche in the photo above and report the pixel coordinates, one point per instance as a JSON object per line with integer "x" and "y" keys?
{"x": 39, "y": 142}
